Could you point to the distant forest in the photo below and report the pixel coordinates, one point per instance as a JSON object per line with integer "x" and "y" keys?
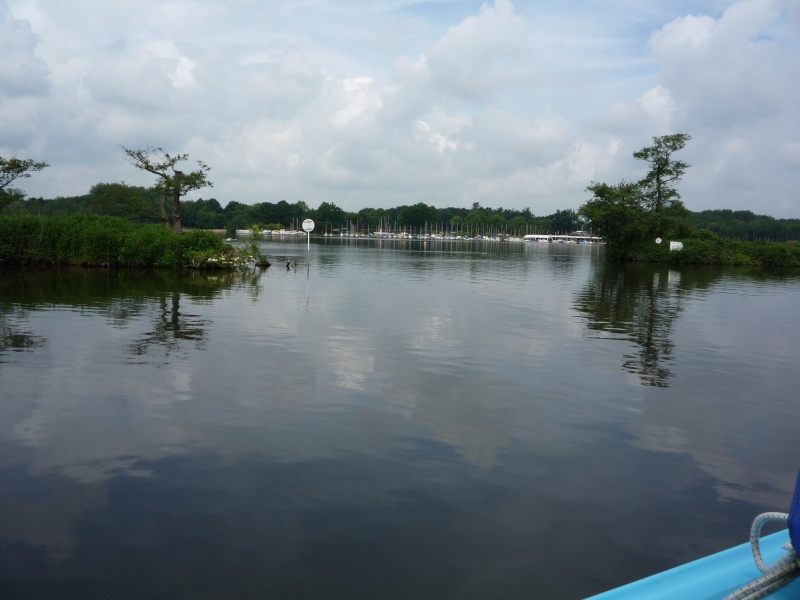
{"x": 141, "y": 204}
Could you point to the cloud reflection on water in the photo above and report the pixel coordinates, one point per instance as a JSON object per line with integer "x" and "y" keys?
{"x": 487, "y": 389}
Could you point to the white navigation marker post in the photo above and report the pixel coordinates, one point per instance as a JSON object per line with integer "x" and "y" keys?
{"x": 308, "y": 227}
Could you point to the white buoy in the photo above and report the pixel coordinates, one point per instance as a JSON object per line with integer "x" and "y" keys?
{"x": 308, "y": 227}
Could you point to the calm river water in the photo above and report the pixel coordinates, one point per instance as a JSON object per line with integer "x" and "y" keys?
{"x": 397, "y": 420}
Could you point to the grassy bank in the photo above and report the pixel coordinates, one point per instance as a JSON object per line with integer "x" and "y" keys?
{"x": 706, "y": 248}
{"x": 92, "y": 240}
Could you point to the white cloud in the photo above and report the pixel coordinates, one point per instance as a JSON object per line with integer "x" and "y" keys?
{"x": 443, "y": 131}
{"x": 728, "y": 70}
{"x": 527, "y": 185}
{"x": 22, "y": 71}
{"x": 368, "y": 103}
{"x": 733, "y": 83}
{"x": 483, "y": 54}
{"x": 653, "y": 111}
{"x": 356, "y": 100}
{"x": 659, "y": 105}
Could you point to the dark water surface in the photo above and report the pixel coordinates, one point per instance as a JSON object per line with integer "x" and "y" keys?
{"x": 396, "y": 421}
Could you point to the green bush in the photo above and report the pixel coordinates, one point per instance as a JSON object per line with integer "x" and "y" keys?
{"x": 709, "y": 249}
{"x": 149, "y": 246}
{"x": 699, "y": 251}
{"x": 709, "y": 236}
{"x": 204, "y": 249}
{"x": 702, "y": 247}
{"x": 773, "y": 254}
{"x": 77, "y": 239}
{"x": 94, "y": 240}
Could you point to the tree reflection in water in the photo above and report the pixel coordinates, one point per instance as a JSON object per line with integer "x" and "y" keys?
{"x": 637, "y": 303}
{"x": 12, "y": 338}
{"x": 171, "y": 327}
{"x": 123, "y": 296}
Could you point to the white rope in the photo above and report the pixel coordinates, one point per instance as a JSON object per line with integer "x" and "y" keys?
{"x": 775, "y": 576}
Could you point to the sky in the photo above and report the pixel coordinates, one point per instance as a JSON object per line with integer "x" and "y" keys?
{"x": 382, "y": 103}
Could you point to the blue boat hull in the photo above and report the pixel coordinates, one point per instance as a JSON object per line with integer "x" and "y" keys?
{"x": 709, "y": 578}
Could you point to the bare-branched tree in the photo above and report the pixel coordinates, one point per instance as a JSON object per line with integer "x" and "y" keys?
{"x": 172, "y": 183}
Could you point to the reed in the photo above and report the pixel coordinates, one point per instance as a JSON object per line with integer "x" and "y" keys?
{"x": 94, "y": 240}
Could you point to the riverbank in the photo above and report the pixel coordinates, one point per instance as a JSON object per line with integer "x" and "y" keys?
{"x": 98, "y": 241}
{"x": 708, "y": 249}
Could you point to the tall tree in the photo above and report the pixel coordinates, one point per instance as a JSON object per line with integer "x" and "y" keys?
{"x": 497, "y": 221}
{"x": 616, "y": 213}
{"x": 17, "y": 168}
{"x": 659, "y": 183}
{"x": 417, "y": 216}
{"x": 173, "y": 183}
{"x": 476, "y": 218}
{"x": 379, "y": 218}
{"x": 121, "y": 200}
{"x": 565, "y": 221}
{"x": 518, "y": 225}
{"x": 328, "y": 216}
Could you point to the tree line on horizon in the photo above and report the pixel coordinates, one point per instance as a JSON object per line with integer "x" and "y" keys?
{"x": 141, "y": 204}
{"x": 149, "y": 205}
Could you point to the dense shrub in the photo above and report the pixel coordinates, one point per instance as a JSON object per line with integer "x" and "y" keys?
{"x": 700, "y": 252}
{"x": 81, "y": 239}
{"x": 731, "y": 252}
{"x": 766, "y": 253}
{"x": 204, "y": 249}
{"x": 149, "y": 246}
{"x": 703, "y": 247}
{"x": 94, "y": 240}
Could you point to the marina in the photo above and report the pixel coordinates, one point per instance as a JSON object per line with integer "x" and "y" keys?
{"x": 576, "y": 238}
